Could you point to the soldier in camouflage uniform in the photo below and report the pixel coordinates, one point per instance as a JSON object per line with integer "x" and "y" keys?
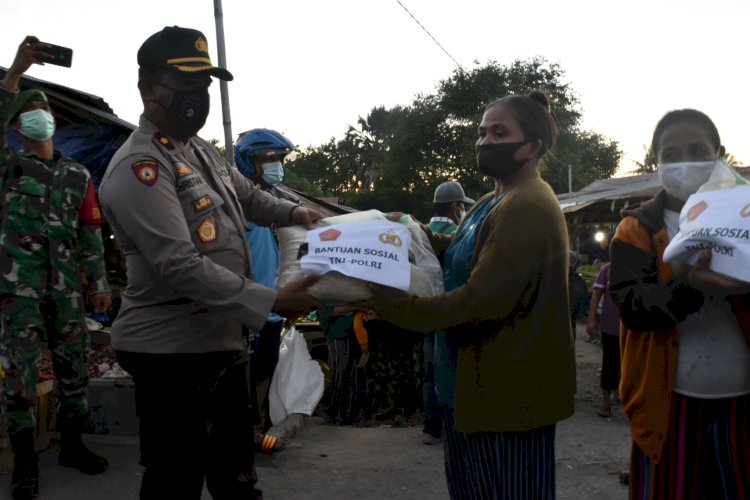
{"x": 49, "y": 233}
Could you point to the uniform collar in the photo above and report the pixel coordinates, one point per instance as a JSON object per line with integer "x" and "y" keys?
{"x": 149, "y": 128}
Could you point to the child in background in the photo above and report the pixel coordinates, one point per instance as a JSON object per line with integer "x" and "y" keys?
{"x": 609, "y": 327}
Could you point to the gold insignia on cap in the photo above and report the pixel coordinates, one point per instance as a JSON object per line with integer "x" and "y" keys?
{"x": 201, "y": 45}
{"x": 164, "y": 140}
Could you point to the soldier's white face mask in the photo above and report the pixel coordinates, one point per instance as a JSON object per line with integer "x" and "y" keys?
{"x": 37, "y": 124}
{"x": 682, "y": 179}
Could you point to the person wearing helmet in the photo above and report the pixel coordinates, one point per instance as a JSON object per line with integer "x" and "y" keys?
{"x": 259, "y": 155}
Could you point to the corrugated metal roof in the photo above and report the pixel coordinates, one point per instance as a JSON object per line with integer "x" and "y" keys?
{"x": 618, "y": 188}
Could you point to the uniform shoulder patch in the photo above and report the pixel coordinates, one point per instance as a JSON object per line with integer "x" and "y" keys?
{"x": 147, "y": 171}
{"x": 207, "y": 230}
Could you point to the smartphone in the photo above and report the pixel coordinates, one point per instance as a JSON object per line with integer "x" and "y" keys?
{"x": 60, "y": 56}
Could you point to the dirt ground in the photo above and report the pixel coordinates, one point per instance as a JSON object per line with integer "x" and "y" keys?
{"x": 323, "y": 461}
{"x": 342, "y": 463}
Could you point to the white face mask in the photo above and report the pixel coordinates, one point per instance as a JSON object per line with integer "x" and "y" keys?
{"x": 273, "y": 173}
{"x": 37, "y": 124}
{"x": 461, "y": 216}
{"x": 684, "y": 178}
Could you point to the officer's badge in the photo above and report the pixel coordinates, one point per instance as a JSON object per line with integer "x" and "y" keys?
{"x": 201, "y": 45}
{"x": 207, "y": 230}
{"x": 203, "y": 203}
{"x": 164, "y": 141}
{"x": 182, "y": 169}
{"x": 146, "y": 171}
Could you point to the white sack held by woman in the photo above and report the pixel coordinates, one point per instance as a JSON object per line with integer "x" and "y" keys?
{"x": 716, "y": 218}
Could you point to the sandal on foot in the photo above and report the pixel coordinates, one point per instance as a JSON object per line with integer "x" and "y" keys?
{"x": 268, "y": 444}
{"x": 605, "y": 412}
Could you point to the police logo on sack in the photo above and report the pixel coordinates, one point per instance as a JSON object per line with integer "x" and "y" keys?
{"x": 390, "y": 239}
{"x": 207, "y": 230}
{"x": 330, "y": 235}
{"x": 146, "y": 171}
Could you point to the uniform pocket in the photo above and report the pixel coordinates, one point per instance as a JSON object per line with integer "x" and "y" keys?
{"x": 72, "y": 190}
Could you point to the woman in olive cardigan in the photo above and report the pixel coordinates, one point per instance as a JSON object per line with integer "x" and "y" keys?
{"x": 506, "y": 311}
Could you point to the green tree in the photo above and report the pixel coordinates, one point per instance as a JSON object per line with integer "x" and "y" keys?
{"x": 394, "y": 158}
{"x": 215, "y": 143}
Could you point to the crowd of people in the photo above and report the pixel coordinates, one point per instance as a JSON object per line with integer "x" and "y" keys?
{"x": 491, "y": 358}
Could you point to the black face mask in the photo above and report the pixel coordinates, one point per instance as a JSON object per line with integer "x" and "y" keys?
{"x": 497, "y": 160}
{"x": 187, "y": 111}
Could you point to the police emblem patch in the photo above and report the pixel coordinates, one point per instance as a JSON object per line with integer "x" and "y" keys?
{"x": 146, "y": 171}
{"x": 207, "y": 230}
{"x": 203, "y": 203}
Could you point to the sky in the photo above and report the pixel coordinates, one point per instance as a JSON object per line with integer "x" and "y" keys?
{"x": 309, "y": 69}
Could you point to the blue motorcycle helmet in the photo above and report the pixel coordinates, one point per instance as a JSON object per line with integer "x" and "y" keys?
{"x": 259, "y": 142}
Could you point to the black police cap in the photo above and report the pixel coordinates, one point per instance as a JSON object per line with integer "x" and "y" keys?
{"x": 179, "y": 49}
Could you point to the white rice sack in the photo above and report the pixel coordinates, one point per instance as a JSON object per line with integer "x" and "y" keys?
{"x": 716, "y": 220}
{"x": 334, "y": 287}
{"x": 353, "y": 217}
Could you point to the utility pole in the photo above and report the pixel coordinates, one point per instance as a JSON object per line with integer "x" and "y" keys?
{"x": 228, "y": 145}
{"x": 570, "y": 178}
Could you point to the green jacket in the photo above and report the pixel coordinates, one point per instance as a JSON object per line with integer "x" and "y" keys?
{"x": 516, "y": 366}
{"x": 49, "y": 223}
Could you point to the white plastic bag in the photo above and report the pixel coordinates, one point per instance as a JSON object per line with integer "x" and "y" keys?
{"x": 717, "y": 217}
{"x": 424, "y": 256}
{"x": 297, "y": 384}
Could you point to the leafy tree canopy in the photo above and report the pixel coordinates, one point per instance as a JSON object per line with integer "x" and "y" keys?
{"x": 393, "y": 159}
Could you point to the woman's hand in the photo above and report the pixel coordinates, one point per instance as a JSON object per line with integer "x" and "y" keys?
{"x": 702, "y": 278}
{"x": 387, "y": 294}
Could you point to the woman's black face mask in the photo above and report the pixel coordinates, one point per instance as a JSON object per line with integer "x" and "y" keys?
{"x": 498, "y": 160}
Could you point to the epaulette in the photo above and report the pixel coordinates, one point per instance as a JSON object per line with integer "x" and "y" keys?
{"x": 164, "y": 141}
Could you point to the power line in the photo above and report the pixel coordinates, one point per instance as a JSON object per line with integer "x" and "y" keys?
{"x": 430, "y": 35}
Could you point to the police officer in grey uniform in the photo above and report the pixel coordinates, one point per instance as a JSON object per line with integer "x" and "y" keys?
{"x": 178, "y": 211}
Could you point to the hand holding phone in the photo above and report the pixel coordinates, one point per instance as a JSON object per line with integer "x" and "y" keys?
{"x": 57, "y": 55}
